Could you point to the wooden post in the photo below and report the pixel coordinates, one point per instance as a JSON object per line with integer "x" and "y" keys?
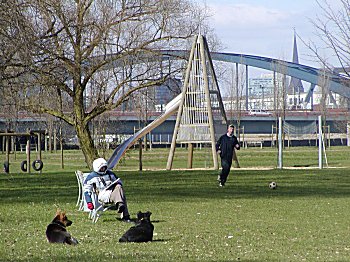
{"x": 190, "y": 155}
{"x": 39, "y": 146}
{"x": 55, "y": 140}
{"x": 242, "y": 136}
{"x": 8, "y": 150}
{"x": 61, "y": 147}
{"x": 12, "y": 143}
{"x": 320, "y": 164}
{"x": 280, "y": 144}
{"x": 50, "y": 140}
{"x": 210, "y": 114}
{"x": 140, "y": 154}
{"x": 2, "y": 144}
{"x": 28, "y": 154}
{"x": 348, "y": 133}
{"x": 145, "y": 142}
{"x": 329, "y": 136}
{"x": 14, "y": 147}
{"x": 45, "y": 140}
{"x": 150, "y": 140}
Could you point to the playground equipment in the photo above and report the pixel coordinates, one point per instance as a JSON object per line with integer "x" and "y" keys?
{"x": 25, "y": 165}
{"x": 170, "y": 108}
{"x": 198, "y": 102}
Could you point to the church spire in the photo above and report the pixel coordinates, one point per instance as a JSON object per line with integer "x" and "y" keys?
{"x": 295, "y": 86}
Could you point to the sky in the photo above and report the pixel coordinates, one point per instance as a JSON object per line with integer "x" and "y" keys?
{"x": 266, "y": 27}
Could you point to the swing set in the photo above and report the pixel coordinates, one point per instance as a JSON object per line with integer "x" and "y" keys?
{"x": 37, "y": 164}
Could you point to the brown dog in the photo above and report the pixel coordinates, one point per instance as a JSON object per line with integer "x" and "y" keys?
{"x": 56, "y": 231}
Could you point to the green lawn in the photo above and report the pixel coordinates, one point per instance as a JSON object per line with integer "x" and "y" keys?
{"x": 305, "y": 219}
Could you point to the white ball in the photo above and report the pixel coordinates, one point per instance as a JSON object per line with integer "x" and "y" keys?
{"x": 272, "y": 185}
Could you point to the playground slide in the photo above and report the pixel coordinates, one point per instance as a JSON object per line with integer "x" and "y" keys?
{"x": 118, "y": 153}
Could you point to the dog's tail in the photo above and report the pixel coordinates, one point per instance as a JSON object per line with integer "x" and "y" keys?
{"x": 72, "y": 241}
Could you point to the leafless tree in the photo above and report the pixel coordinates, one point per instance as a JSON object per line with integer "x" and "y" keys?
{"x": 14, "y": 59}
{"x": 280, "y": 89}
{"x": 279, "y": 93}
{"x": 89, "y": 56}
{"x": 333, "y": 30}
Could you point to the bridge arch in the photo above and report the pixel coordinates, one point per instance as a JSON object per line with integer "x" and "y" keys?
{"x": 336, "y": 83}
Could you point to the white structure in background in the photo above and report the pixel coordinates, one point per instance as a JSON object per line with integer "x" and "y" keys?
{"x": 257, "y": 103}
{"x": 262, "y": 93}
{"x": 261, "y": 86}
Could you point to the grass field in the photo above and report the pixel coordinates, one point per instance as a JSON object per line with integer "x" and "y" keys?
{"x": 305, "y": 219}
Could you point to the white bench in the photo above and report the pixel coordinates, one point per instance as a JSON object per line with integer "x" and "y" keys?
{"x": 254, "y": 143}
{"x": 23, "y": 147}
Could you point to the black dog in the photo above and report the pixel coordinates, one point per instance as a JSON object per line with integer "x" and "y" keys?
{"x": 56, "y": 231}
{"x": 142, "y": 231}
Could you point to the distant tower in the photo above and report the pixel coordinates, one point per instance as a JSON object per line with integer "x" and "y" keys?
{"x": 295, "y": 86}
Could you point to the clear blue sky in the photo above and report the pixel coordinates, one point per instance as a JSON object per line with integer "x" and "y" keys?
{"x": 265, "y": 27}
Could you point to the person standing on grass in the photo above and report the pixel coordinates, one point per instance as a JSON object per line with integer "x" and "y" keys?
{"x": 225, "y": 147}
{"x": 109, "y": 187}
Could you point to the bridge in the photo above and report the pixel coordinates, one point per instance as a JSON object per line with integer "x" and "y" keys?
{"x": 335, "y": 82}
{"x": 316, "y": 77}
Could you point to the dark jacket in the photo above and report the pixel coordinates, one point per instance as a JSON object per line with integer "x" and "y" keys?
{"x": 226, "y": 145}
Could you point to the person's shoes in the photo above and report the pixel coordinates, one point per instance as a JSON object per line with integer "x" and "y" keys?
{"x": 221, "y": 184}
{"x": 218, "y": 179}
{"x": 120, "y": 207}
{"x": 126, "y": 219}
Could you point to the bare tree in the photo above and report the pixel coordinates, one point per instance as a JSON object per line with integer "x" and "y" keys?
{"x": 106, "y": 48}
{"x": 333, "y": 29}
{"x": 280, "y": 90}
{"x": 13, "y": 59}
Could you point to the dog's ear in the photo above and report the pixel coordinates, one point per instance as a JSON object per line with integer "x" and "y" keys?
{"x": 58, "y": 212}
{"x": 63, "y": 215}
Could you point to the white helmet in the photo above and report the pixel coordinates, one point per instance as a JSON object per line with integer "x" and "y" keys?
{"x": 98, "y": 164}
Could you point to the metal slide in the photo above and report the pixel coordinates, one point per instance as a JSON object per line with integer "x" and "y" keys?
{"x": 170, "y": 108}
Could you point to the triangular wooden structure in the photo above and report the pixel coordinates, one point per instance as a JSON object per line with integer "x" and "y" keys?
{"x": 200, "y": 102}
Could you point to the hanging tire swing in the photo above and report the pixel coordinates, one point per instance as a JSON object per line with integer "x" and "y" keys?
{"x": 24, "y": 166}
{"x": 37, "y": 165}
{"x": 7, "y": 167}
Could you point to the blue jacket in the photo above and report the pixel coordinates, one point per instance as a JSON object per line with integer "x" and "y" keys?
{"x": 100, "y": 181}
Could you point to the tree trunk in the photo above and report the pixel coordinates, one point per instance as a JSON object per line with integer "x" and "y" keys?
{"x": 86, "y": 144}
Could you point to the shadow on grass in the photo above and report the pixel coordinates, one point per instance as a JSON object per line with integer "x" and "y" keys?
{"x": 161, "y": 240}
{"x": 183, "y": 185}
{"x": 191, "y": 185}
